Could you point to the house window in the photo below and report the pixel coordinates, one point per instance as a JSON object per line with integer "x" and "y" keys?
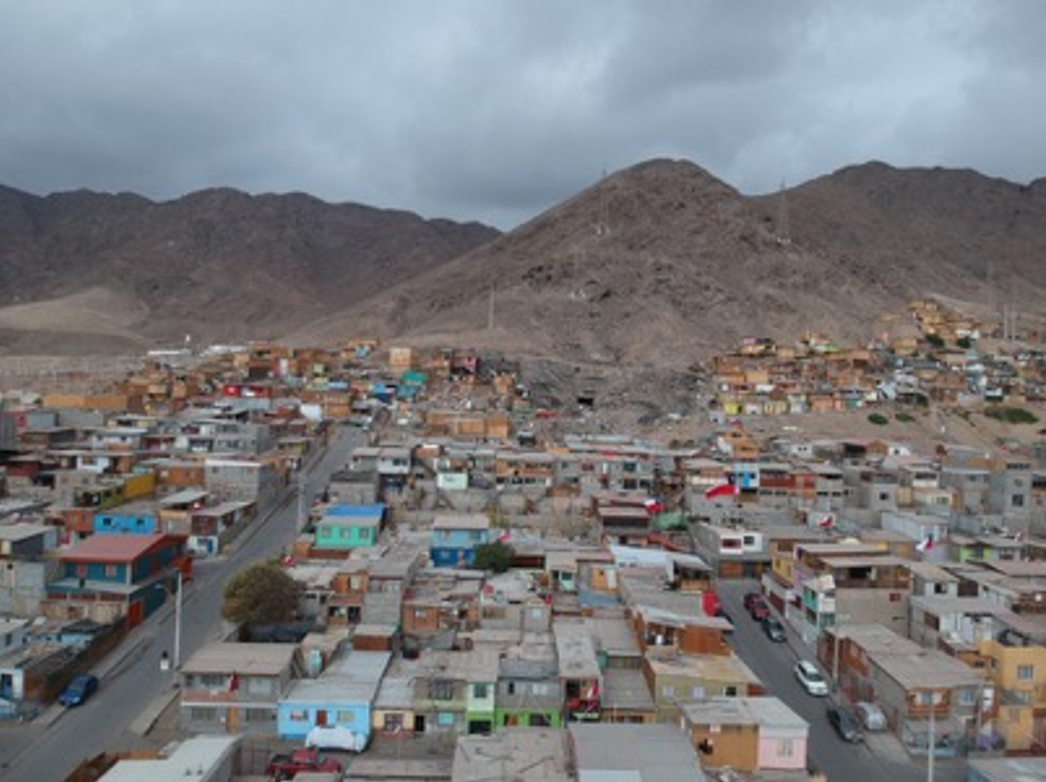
{"x": 669, "y": 691}
{"x": 364, "y": 534}
{"x": 730, "y": 691}
{"x": 967, "y": 697}
{"x": 393, "y": 722}
{"x": 346, "y": 717}
{"x": 259, "y": 715}
{"x": 110, "y": 571}
{"x": 479, "y": 691}
{"x": 445, "y": 719}
{"x": 198, "y": 714}
{"x": 785, "y": 748}
{"x": 510, "y": 688}
{"x": 1017, "y": 501}
{"x": 442, "y": 690}
{"x": 1025, "y": 673}
{"x": 299, "y": 715}
{"x": 81, "y": 571}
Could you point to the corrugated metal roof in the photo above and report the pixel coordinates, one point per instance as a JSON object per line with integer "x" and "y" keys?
{"x": 113, "y": 548}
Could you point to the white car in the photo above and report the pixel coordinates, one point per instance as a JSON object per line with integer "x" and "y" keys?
{"x": 810, "y": 678}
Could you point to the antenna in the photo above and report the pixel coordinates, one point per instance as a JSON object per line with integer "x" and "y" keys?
{"x": 783, "y": 231}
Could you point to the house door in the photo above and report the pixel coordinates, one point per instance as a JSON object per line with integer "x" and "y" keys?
{"x": 419, "y": 723}
{"x": 321, "y": 718}
{"x": 232, "y": 720}
{"x": 135, "y": 613}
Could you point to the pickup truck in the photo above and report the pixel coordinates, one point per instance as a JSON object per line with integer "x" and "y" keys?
{"x": 287, "y": 765}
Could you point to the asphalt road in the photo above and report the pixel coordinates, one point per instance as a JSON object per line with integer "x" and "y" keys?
{"x": 132, "y": 679}
{"x": 881, "y": 759}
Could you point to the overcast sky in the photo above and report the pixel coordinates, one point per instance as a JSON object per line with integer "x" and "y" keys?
{"x": 496, "y": 111}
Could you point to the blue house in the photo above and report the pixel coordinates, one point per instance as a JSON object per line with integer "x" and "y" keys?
{"x": 455, "y": 537}
{"x": 341, "y": 697}
{"x": 345, "y": 527}
{"x": 108, "y": 576}
{"x": 130, "y": 519}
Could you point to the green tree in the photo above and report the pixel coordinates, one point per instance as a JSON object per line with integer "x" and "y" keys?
{"x": 496, "y": 557}
{"x": 261, "y": 594}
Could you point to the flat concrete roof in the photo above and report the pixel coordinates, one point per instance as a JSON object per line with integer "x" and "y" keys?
{"x": 652, "y": 753}
{"x": 245, "y": 659}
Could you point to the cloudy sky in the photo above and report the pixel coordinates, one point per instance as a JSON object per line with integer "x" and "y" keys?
{"x": 496, "y": 110}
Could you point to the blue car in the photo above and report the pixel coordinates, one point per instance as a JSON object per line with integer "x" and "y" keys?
{"x": 80, "y": 689}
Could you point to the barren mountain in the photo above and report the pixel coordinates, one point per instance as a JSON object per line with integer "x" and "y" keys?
{"x": 654, "y": 267}
{"x": 662, "y": 264}
{"x": 92, "y": 272}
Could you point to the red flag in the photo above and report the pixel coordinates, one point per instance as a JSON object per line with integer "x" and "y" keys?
{"x": 827, "y": 522}
{"x": 653, "y": 506}
{"x": 926, "y": 545}
{"x": 721, "y": 490}
{"x": 234, "y": 682}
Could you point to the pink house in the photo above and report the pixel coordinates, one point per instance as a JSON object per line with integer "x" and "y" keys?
{"x": 747, "y": 734}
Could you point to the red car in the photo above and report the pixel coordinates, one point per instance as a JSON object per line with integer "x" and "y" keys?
{"x": 287, "y": 766}
{"x": 756, "y": 606}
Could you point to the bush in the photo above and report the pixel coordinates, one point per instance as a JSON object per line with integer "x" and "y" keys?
{"x": 904, "y": 418}
{"x": 964, "y": 342}
{"x": 878, "y": 419}
{"x": 496, "y": 557}
{"x": 935, "y": 340}
{"x": 1011, "y": 415}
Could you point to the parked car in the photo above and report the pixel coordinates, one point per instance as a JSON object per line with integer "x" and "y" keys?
{"x": 845, "y": 722}
{"x": 751, "y": 597}
{"x": 870, "y": 715}
{"x": 756, "y": 606}
{"x": 288, "y": 765}
{"x": 774, "y": 630}
{"x": 336, "y": 737}
{"x": 79, "y": 690}
{"x": 810, "y": 678}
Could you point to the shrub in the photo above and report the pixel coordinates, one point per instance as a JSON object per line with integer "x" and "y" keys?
{"x": 904, "y": 418}
{"x": 878, "y": 419}
{"x": 496, "y": 556}
{"x": 1011, "y": 415}
{"x": 935, "y": 340}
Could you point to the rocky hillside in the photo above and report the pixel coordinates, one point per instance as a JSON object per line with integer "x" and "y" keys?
{"x": 86, "y": 271}
{"x": 662, "y": 264}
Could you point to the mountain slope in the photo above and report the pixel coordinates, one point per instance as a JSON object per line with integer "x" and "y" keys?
{"x": 219, "y": 264}
{"x": 662, "y": 264}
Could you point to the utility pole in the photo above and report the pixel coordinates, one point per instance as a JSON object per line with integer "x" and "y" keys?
{"x": 932, "y": 744}
{"x": 490, "y": 308}
{"x": 178, "y": 621}
{"x": 301, "y": 496}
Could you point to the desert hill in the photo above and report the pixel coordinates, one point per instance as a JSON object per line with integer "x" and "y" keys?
{"x": 662, "y": 264}
{"x": 92, "y": 272}
{"x": 654, "y": 267}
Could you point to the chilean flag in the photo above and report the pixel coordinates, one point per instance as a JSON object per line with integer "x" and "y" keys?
{"x": 653, "y": 506}
{"x": 926, "y": 545}
{"x": 727, "y": 489}
{"x": 827, "y": 522}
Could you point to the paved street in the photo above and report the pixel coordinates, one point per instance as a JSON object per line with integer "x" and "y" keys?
{"x": 881, "y": 759}
{"x": 49, "y": 748}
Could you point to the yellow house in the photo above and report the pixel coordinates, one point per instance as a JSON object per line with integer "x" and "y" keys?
{"x": 1017, "y": 668}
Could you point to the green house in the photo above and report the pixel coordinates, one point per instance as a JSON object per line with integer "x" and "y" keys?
{"x": 345, "y": 527}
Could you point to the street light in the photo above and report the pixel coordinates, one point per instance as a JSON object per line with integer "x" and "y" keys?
{"x": 165, "y": 660}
